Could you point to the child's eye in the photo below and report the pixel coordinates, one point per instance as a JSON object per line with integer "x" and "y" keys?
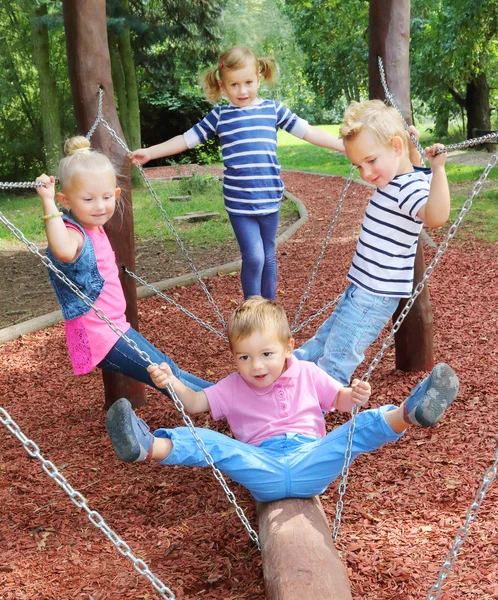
{"x": 372, "y": 160}
{"x": 244, "y": 357}
{"x": 267, "y": 354}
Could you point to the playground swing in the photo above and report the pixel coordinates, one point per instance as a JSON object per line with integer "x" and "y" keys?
{"x": 490, "y": 474}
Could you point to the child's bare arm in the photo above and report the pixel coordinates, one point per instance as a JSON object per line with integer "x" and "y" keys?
{"x": 356, "y": 395}
{"x": 436, "y": 210}
{"x": 322, "y": 138}
{"x": 413, "y": 153}
{"x": 168, "y": 148}
{"x": 194, "y": 402}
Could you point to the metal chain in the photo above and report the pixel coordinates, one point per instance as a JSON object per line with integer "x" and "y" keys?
{"x": 122, "y": 143}
{"x": 174, "y": 303}
{"x": 9, "y": 185}
{"x": 317, "y": 314}
{"x": 146, "y": 358}
{"x": 322, "y": 251}
{"x": 388, "y": 340}
{"x": 392, "y": 102}
{"x": 79, "y": 500}
{"x": 463, "y": 532}
{"x": 490, "y": 137}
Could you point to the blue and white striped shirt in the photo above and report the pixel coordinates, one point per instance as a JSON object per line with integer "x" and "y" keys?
{"x": 248, "y": 136}
{"x": 384, "y": 260}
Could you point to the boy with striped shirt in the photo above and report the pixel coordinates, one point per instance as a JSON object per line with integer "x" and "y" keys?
{"x": 382, "y": 271}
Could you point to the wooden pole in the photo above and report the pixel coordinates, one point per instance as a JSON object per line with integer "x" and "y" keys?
{"x": 389, "y": 38}
{"x": 90, "y": 69}
{"x": 298, "y": 554}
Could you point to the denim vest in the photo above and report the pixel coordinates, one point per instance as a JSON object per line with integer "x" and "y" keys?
{"x": 83, "y": 272}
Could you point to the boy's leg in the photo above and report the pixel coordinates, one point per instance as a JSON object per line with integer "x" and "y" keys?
{"x": 259, "y": 471}
{"x": 322, "y": 461}
{"x": 358, "y": 320}
{"x": 127, "y": 361}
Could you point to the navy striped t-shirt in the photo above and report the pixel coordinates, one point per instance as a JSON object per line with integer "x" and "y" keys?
{"x": 248, "y": 137}
{"x": 384, "y": 260}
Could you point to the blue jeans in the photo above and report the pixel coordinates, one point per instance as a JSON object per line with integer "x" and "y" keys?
{"x": 286, "y": 466}
{"x": 256, "y": 236}
{"x": 339, "y": 345}
{"x": 128, "y": 362}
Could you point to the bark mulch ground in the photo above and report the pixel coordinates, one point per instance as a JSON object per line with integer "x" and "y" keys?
{"x": 404, "y": 503}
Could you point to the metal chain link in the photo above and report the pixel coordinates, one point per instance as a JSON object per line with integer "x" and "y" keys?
{"x": 463, "y": 532}
{"x": 392, "y": 102}
{"x": 79, "y": 500}
{"x": 388, "y": 340}
{"x": 316, "y": 315}
{"x": 322, "y": 252}
{"x": 122, "y": 143}
{"x": 146, "y": 358}
{"x": 9, "y": 185}
{"x": 176, "y": 304}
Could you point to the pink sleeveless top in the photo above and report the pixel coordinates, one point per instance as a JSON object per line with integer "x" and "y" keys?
{"x": 88, "y": 338}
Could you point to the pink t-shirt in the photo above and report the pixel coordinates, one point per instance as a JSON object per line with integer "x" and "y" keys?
{"x": 88, "y": 338}
{"x": 293, "y": 403}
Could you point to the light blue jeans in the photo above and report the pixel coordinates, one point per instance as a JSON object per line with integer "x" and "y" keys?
{"x": 339, "y": 345}
{"x": 286, "y": 466}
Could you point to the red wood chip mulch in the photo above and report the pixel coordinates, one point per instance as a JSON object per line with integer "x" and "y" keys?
{"x": 404, "y": 503}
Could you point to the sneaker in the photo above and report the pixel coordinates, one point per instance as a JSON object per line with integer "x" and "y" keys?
{"x": 431, "y": 397}
{"x": 130, "y": 436}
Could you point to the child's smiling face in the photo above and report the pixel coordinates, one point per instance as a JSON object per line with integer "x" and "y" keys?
{"x": 261, "y": 357}
{"x": 241, "y": 86}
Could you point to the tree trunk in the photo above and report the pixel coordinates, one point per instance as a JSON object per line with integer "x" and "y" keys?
{"x": 90, "y": 69}
{"x": 389, "y": 38}
{"x": 478, "y": 110}
{"x": 442, "y": 119}
{"x": 118, "y": 81}
{"x": 49, "y": 103}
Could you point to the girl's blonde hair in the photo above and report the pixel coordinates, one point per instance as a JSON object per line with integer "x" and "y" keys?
{"x": 80, "y": 158}
{"x": 235, "y": 58}
{"x": 258, "y": 314}
{"x": 383, "y": 121}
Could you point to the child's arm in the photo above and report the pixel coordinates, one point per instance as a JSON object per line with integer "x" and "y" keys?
{"x": 356, "y": 395}
{"x": 319, "y": 137}
{"x": 168, "y": 148}
{"x": 65, "y": 243}
{"x": 414, "y": 154}
{"x": 436, "y": 210}
{"x": 194, "y": 402}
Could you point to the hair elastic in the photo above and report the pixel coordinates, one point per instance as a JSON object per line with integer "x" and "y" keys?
{"x": 220, "y": 66}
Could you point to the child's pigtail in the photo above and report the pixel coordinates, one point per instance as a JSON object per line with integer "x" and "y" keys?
{"x": 211, "y": 85}
{"x": 267, "y": 69}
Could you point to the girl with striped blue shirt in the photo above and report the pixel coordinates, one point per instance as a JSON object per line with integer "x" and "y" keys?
{"x": 247, "y": 129}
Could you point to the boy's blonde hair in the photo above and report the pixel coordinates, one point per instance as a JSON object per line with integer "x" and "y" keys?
{"x": 383, "y": 121}
{"x": 235, "y": 58}
{"x": 80, "y": 158}
{"x": 258, "y": 314}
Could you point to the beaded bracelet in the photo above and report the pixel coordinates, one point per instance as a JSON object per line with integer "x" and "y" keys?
{"x": 47, "y": 217}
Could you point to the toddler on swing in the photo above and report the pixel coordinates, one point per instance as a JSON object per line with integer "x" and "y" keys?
{"x": 274, "y": 404}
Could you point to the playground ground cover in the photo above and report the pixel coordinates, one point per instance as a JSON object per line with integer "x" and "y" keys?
{"x": 404, "y": 503}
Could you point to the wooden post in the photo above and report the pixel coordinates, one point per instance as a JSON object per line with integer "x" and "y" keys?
{"x": 298, "y": 554}
{"x": 389, "y": 38}
{"x": 89, "y": 69}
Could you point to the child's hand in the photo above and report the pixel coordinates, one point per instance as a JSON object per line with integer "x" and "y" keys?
{"x": 438, "y": 160}
{"x": 161, "y": 375}
{"x": 139, "y": 157}
{"x": 360, "y": 392}
{"x": 47, "y": 190}
{"x": 411, "y": 130}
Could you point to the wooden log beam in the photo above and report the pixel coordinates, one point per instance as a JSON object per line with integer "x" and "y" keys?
{"x": 298, "y": 554}
{"x": 89, "y": 63}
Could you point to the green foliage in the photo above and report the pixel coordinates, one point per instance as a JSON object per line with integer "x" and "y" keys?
{"x": 200, "y": 184}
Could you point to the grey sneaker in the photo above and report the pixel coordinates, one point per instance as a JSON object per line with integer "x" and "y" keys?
{"x": 431, "y": 397}
{"x": 130, "y": 436}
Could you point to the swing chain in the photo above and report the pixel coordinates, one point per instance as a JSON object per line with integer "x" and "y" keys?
{"x": 79, "y": 500}
{"x": 316, "y": 315}
{"x": 463, "y": 532}
{"x": 146, "y": 358}
{"x": 175, "y": 304}
{"x": 388, "y": 340}
{"x": 321, "y": 254}
{"x": 9, "y": 185}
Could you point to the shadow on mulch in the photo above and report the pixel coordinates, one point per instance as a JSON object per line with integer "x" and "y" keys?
{"x": 404, "y": 502}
